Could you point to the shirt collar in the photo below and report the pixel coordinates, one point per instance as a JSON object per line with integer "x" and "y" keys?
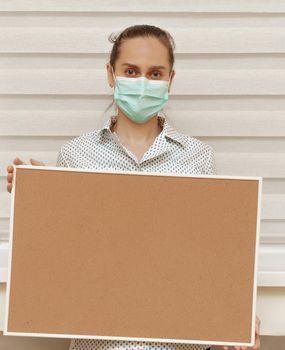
{"x": 167, "y": 131}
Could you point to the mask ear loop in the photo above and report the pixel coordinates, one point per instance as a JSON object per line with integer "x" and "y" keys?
{"x": 114, "y": 76}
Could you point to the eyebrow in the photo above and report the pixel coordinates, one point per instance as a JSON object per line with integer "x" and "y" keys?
{"x": 135, "y": 66}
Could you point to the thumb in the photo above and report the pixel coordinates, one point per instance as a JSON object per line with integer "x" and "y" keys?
{"x": 225, "y": 347}
{"x": 36, "y": 162}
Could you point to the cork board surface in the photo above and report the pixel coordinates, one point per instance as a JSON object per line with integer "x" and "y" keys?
{"x": 133, "y": 256}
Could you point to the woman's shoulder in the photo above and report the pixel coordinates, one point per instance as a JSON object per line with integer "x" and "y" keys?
{"x": 82, "y": 141}
{"x": 194, "y": 144}
{"x": 74, "y": 149}
{"x": 202, "y": 153}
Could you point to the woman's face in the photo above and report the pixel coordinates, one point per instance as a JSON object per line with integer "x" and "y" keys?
{"x": 146, "y": 57}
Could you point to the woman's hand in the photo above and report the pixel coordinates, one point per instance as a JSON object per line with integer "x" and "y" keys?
{"x": 256, "y": 346}
{"x": 10, "y": 169}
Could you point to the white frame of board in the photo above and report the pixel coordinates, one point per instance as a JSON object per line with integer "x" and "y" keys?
{"x": 162, "y": 340}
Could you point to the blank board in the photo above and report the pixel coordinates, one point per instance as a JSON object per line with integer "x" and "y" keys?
{"x": 133, "y": 256}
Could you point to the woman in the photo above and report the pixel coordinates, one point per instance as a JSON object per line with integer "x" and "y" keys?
{"x": 137, "y": 137}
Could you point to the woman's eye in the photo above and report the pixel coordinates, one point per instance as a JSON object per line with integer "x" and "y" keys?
{"x": 130, "y": 70}
{"x": 156, "y": 74}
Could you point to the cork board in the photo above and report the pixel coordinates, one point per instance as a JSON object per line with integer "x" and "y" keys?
{"x": 133, "y": 256}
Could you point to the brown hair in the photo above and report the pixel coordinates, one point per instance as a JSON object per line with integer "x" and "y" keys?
{"x": 141, "y": 30}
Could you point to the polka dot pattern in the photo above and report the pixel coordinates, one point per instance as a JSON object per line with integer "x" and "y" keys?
{"x": 171, "y": 152}
{"x": 106, "y": 344}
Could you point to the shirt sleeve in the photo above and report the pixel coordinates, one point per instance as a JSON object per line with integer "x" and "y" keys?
{"x": 61, "y": 159}
{"x": 210, "y": 165}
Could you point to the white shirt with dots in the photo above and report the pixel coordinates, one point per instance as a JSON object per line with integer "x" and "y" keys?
{"x": 171, "y": 152}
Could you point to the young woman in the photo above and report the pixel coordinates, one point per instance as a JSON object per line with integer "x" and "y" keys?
{"x": 138, "y": 136}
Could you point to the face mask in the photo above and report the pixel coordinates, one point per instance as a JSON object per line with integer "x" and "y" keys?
{"x": 140, "y": 98}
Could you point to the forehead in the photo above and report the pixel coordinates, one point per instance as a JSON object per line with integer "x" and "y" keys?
{"x": 143, "y": 51}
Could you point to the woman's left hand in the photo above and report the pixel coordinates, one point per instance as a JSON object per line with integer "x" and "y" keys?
{"x": 256, "y": 346}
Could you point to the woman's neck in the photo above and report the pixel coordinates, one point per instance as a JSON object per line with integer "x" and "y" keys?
{"x": 132, "y": 133}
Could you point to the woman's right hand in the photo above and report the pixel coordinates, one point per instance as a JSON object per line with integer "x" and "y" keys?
{"x": 10, "y": 169}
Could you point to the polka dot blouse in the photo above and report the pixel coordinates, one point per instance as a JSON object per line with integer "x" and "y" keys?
{"x": 171, "y": 152}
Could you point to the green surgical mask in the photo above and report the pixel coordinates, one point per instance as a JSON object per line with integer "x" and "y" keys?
{"x": 140, "y": 98}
